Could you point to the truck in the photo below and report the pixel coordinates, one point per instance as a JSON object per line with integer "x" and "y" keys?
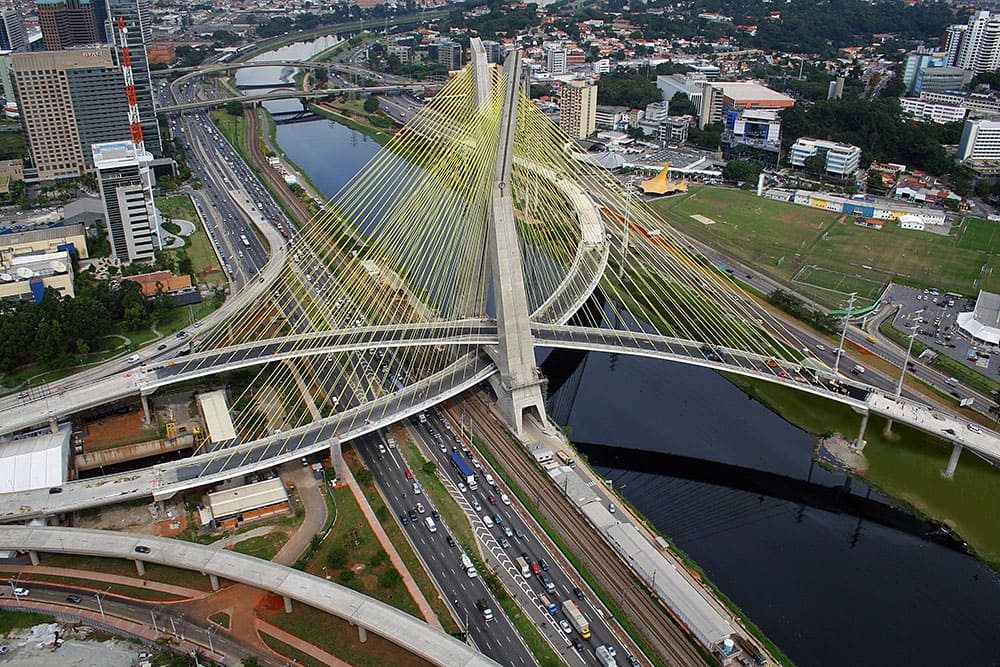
{"x": 604, "y": 656}
{"x": 576, "y": 618}
{"x": 523, "y": 564}
{"x": 470, "y": 569}
{"x": 464, "y": 471}
{"x": 551, "y": 606}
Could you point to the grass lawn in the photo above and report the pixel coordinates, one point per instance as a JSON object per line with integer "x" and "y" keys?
{"x": 907, "y": 466}
{"x": 221, "y": 619}
{"x": 233, "y": 127}
{"x": 265, "y": 547}
{"x": 761, "y": 232}
{"x": 14, "y": 620}
{"x": 198, "y": 247}
{"x": 284, "y": 649}
{"x": 114, "y": 589}
{"x": 12, "y": 145}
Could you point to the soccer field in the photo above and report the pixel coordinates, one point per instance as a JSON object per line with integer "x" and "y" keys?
{"x": 838, "y": 282}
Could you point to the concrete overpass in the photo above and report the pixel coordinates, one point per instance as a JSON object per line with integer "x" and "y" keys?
{"x": 368, "y": 614}
{"x": 284, "y": 95}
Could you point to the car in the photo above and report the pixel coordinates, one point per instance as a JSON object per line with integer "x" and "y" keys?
{"x": 504, "y": 543}
{"x": 23, "y": 394}
{"x": 632, "y": 660}
{"x": 566, "y": 627}
{"x": 161, "y": 347}
{"x": 55, "y": 489}
{"x": 408, "y": 474}
{"x": 305, "y": 462}
{"x": 21, "y": 592}
{"x": 476, "y": 464}
{"x": 134, "y": 358}
{"x": 381, "y": 448}
{"x": 182, "y": 334}
{"x": 577, "y": 645}
{"x": 435, "y": 515}
{"x": 544, "y": 564}
{"x": 535, "y": 570}
{"x": 820, "y": 347}
{"x": 416, "y": 489}
{"x": 956, "y": 394}
{"x": 450, "y": 540}
{"x": 476, "y": 506}
{"x": 611, "y": 508}
{"x": 145, "y": 655}
{"x": 974, "y": 428}
{"x": 508, "y": 532}
{"x": 142, "y": 550}
{"x": 519, "y": 534}
{"x": 4, "y": 650}
{"x": 505, "y": 499}
{"x": 492, "y": 499}
{"x": 487, "y": 521}
{"x": 497, "y": 519}
{"x": 577, "y": 592}
{"x": 403, "y": 519}
{"x": 611, "y": 649}
{"x": 412, "y": 515}
{"x": 420, "y": 508}
{"x": 75, "y": 599}
{"x": 461, "y": 487}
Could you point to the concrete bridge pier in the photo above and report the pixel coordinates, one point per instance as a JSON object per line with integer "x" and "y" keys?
{"x": 949, "y": 471}
{"x": 337, "y": 456}
{"x": 887, "y": 429}
{"x": 53, "y": 425}
{"x": 214, "y": 580}
{"x": 288, "y": 604}
{"x": 140, "y": 567}
{"x": 362, "y": 634}
{"x": 145, "y": 408}
{"x": 859, "y": 443}
{"x": 33, "y": 555}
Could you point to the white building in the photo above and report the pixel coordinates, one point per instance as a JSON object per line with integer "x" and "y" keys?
{"x": 979, "y": 44}
{"x": 910, "y": 222}
{"x": 38, "y": 461}
{"x": 980, "y": 141}
{"x": 126, "y": 185}
{"x": 555, "y": 59}
{"x": 923, "y": 110}
{"x": 841, "y": 159}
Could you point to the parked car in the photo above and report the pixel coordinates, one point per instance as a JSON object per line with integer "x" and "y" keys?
{"x": 74, "y": 599}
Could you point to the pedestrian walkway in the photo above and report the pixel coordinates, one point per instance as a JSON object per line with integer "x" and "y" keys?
{"x": 425, "y": 608}
{"x": 27, "y": 570}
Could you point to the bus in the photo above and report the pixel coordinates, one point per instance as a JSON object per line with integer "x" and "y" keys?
{"x": 245, "y": 240}
{"x": 566, "y": 458}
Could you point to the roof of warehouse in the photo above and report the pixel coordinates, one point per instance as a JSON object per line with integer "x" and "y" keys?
{"x": 217, "y": 418}
{"x": 35, "y": 462}
{"x": 248, "y": 497}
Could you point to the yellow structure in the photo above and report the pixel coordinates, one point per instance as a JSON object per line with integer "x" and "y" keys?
{"x": 660, "y": 185}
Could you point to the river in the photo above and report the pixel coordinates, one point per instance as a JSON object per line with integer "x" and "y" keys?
{"x": 828, "y": 587}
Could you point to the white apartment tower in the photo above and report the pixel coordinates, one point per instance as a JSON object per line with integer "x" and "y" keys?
{"x": 979, "y": 47}
{"x": 556, "y": 61}
{"x": 126, "y": 184}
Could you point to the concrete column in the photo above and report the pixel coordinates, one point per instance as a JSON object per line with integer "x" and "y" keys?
{"x": 887, "y": 429}
{"x": 53, "y": 425}
{"x": 956, "y": 451}
{"x": 362, "y": 634}
{"x": 859, "y": 444}
{"x": 214, "y": 580}
{"x": 33, "y": 555}
{"x": 162, "y": 507}
{"x": 288, "y": 604}
{"x": 337, "y": 456}
{"x": 145, "y": 408}
{"x": 140, "y": 567}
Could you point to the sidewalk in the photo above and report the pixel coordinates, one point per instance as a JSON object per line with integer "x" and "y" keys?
{"x": 135, "y": 582}
{"x": 344, "y": 471}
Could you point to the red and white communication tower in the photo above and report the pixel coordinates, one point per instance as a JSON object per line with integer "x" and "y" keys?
{"x": 134, "y": 124}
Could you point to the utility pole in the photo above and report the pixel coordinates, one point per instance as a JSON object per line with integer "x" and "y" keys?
{"x": 100, "y": 603}
{"x": 843, "y": 332}
{"x": 906, "y": 361}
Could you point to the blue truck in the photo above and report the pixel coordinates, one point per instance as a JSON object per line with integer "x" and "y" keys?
{"x": 464, "y": 471}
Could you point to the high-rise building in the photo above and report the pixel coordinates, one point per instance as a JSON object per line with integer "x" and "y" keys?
{"x": 556, "y": 60}
{"x": 839, "y": 159}
{"x": 494, "y": 52}
{"x": 578, "y": 109}
{"x": 976, "y": 46}
{"x": 136, "y": 15}
{"x": 69, "y": 100}
{"x": 446, "y": 53}
{"x": 126, "y": 184}
{"x": 67, "y": 23}
{"x": 13, "y": 36}
{"x": 980, "y": 141}
{"x": 940, "y": 78}
{"x": 919, "y": 60}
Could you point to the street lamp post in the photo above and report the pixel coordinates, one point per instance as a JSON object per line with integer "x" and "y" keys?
{"x": 100, "y": 602}
{"x": 906, "y": 361}
{"x": 843, "y": 332}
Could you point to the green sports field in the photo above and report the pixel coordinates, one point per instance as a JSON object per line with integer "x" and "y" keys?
{"x": 781, "y": 239}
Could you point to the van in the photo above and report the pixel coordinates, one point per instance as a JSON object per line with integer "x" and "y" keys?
{"x": 951, "y": 382}
{"x": 488, "y": 520}
{"x": 523, "y": 564}
{"x": 431, "y": 526}
{"x": 858, "y": 369}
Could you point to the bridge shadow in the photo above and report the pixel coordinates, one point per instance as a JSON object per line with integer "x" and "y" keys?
{"x": 836, "y": 498}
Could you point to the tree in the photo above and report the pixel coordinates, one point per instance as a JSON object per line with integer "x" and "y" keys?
{"x": 875, "y": 183}
{"x": 541, "y": 90}
{"x": 429, "y": 468}
{"x": 389, "y": 579}
{"x": 234, "y": 108}
{"x": 249, "y": 661}
{"x": 681, "y": 105}
{"x": 336, "y": 557}
{"x": 628, "y": 89}
{"x": 364, "y": 476}
{"x": 741, "y": 171}
{"x": 815, "y": 164}
{"x": 371, "y": 104}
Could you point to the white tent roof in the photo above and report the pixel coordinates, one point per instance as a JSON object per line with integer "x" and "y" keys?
{"x": 217, "y": 418}
{"x": 36, "y": 462}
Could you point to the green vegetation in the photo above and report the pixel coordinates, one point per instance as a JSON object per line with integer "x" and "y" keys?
{"x": 284, "y": 649}
{"x": 15, "y": 620}
{"x": 12, "y": 145}
{"x": 351, "y": 114}
{"x": 126, "y": 568}
{"x": 906, "y": 465}
{"x": 783, "y": 239}
{"x": 265, "y": 547}
{"x": 203, "y": 265}
{"x": 627, "y": 88}
{"x": 221, "y": 619}
{"x": 839, "y": 283}
{"x": 979, "y": 234}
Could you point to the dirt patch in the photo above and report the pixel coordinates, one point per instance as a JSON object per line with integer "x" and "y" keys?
{"x": 270, "y": 602}
{"x": 139, "y": 517}
{"x": 109, "y": 432}
{"x": 838, "y": 451}
{"x": 705, "y": 220}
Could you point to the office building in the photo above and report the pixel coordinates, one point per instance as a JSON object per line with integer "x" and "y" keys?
{"x": 840, "y": 159}
{"x": 939, "y": 79}
{"x": 69, "y": 100}
{"x": 448, "y": 54}
{"x": 919, "y": 60}
{"x": 13, "y": 36}
{"x": 976, "y": 46}
{"x": 980, "y": 141}
{"x": 578, "y": 109}
{"x": 922, "y": 110}
{"x": 67, "y": 23}
{"x": 977, "y": 104}
{"x": 690, "y": 86}
{"x": 126, "y": 185}
{"x": 753, "y": 135}
{"x": 494, "y": 51}
{"x": 723, "y": 97}
{"x": 555, "y": 59}
{"x": 137, "y": 16}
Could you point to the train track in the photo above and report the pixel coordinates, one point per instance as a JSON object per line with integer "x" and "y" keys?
{"x": 655, "y": 623}
{"x": 278, "y": 185}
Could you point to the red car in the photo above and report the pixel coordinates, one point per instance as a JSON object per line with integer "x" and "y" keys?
{"x": 409, "y": 475}
{"x": 493, "y": 501}
{"x": 535, "y": 569}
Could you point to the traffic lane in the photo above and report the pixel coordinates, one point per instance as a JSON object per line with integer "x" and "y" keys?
{"x": 496, "y": 638}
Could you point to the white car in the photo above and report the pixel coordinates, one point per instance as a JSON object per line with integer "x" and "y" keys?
{"x": 461, "y": 487}
{"x": 566, "y": 627}
{"x": 134, "y": 358}
{"x": 505, "y": 499}
{"x": 21, "y": 592}
{"x": 820, "y": 347}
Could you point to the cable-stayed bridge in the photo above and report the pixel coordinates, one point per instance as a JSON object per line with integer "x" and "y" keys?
{"x": 479, "y": 233}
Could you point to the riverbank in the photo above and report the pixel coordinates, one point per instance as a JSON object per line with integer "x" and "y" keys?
{"x": 905, "y": 465}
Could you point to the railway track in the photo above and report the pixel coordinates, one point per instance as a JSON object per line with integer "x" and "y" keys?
{"x": 656, "y": 624}
{"x": 278, "y": 185}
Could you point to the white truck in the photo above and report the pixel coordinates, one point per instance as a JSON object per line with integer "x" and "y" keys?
{"x": 604, "y": 657}
{"x": 470, "y": 569}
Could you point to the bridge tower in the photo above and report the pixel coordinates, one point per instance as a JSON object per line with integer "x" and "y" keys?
{"x": 519, "y": 387}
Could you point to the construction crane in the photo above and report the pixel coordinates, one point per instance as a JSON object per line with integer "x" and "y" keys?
{"x": 134, "y": 123}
